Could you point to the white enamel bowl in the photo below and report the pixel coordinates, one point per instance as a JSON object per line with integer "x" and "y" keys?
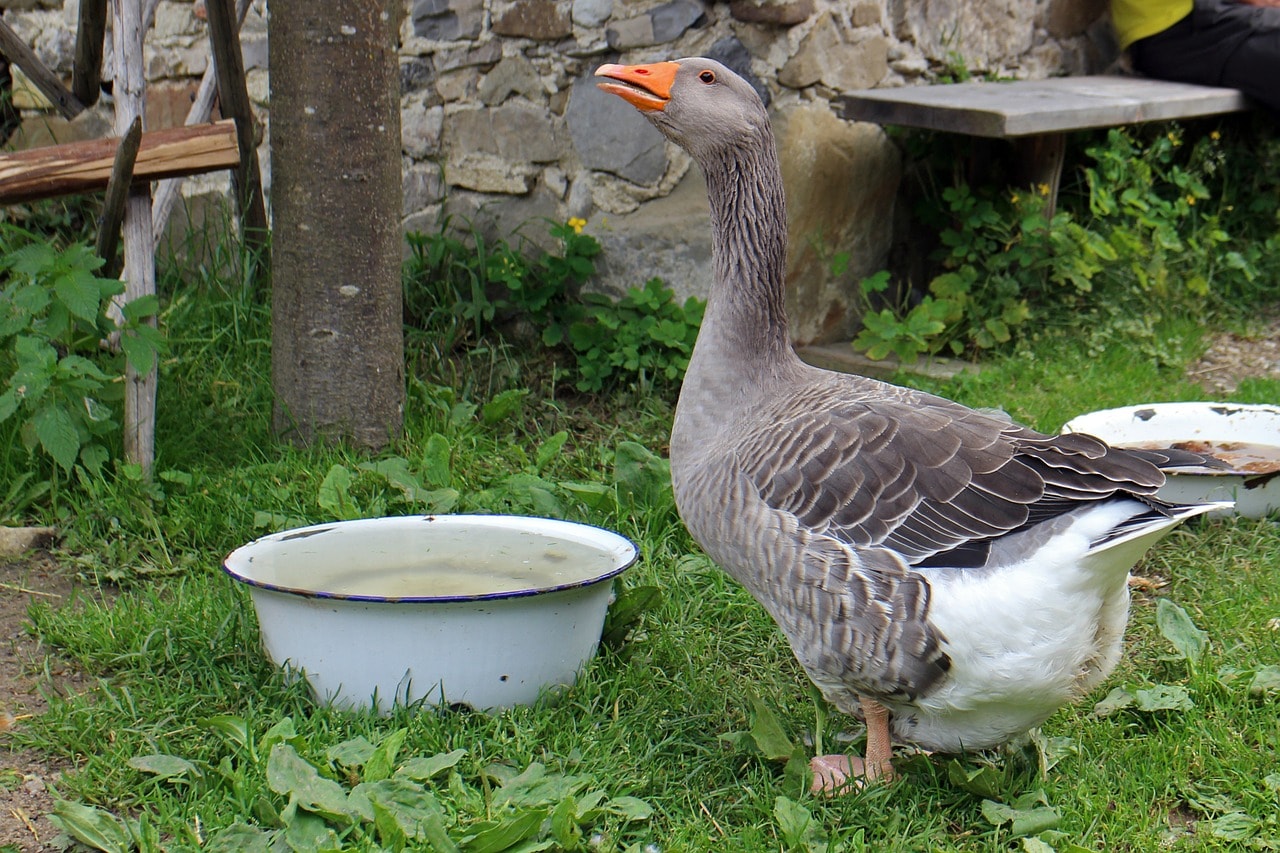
{"x": 1247, "y": 437}
{"x": 486, "y": 611}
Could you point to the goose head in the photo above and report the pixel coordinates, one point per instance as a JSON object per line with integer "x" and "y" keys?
{"x": 697, "y": 103}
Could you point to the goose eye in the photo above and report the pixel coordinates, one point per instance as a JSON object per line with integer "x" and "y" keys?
{"x": 707, "y": 76}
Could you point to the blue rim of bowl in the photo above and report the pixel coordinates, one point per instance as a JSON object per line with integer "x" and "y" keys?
{"x": 311, "y": 530}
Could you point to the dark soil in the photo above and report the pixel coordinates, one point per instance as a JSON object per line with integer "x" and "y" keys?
{"x": 27, "y": 670}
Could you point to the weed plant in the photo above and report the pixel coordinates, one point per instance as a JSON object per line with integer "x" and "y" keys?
{"x": 1156, "y": 222}
{"x": 686, "y": 733}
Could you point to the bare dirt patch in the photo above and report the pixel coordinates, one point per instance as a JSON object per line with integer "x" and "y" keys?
{"x": 27, "y": 670}
{"x": 1232, "y": 358}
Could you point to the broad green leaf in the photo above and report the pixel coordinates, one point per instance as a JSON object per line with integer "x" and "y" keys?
{"x": 288, "y": 774}
{"x": 141, "y": 307}
{"x": 424, "y": 768}
{"x": 1178, "y": 629}
{"x": 629, "y": 808}
{"x": 499, "y": 835}
{"x": 564, "y": 824}
{"x": 164, "y": 766}
{"x": 234, "y": 729}
{"x": 391, "y": 835}
{"x": 592, "y": 495}
{"x": 982, "y": 781}
{"x": 504, "y": 405}
{"x": 1235, "y": 826}
{"x": 767, "y": 731}
{"x": 355, "y": 752}
{"x": 140, "y": 352}
{"x": 625, "y": 612}
{"x": 795, "y": 822}
{"x": 240, "y": 838}
{"x": 91, "y": 826}
{"x": 383, "y": 761}
{"x": 1163, "y": 697}
{"x": 57, "y": 434}
{"x": 405, "y": 800}
{"x": 549, "y": 450}
{"x": 536, "y": 787}
{"x": 1022, "y": 821}
{"x": 79, "y": 292}
{"x": 436, "y": 458}
{"x": 1265, "y": 681}
{"x": 1117, "y": 700}
{"x": 335, "y": 493}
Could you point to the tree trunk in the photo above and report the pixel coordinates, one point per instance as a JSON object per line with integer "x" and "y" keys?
{"x": 337, "y": 337}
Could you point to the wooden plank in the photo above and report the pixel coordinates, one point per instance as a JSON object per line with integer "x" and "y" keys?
{"x": 1030, "y": 107}
{"x": 86, "y": 70}
{"x": 79, "y": 167}
{"x": 45, "y": 80}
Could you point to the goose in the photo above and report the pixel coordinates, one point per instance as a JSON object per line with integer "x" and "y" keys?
{"x": 947, "y": 575}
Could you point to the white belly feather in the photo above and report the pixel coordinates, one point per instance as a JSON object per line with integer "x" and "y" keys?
{"x": 1028, "y": 637}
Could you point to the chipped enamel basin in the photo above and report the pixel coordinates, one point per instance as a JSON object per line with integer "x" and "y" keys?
{"x": 483, "y": 610}
{"x": 1246, "y": 437}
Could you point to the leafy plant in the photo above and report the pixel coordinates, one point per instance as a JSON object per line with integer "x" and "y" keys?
{"x": 58, "y": 382}
{"x": 456, "y": 292}
{"x": 1151, "y": 235}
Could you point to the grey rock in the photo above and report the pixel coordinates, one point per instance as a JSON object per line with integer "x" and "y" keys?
{"x": 777, "y": 13}
{"x": 540, "y": 20}
{"x": 423, "y": 187}
{"x": 515, "y": 132}
{"x": 513, "y": 75}
{"x": 611, "y": 136}
{"x": 421, "y": 126}
{"x": 468, "y": 57}
{"x": 671, "y": 20}
{"x": 488, "y": 174}
{"x": 416, "y": 73}
{"x": 841, "y": 180}
{"x": 447, "y": 20}
{"x": 630, "y": 33}
{"x": 591, "y": 13}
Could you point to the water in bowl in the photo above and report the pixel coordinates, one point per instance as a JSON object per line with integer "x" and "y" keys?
{"x": 445, "y": 564}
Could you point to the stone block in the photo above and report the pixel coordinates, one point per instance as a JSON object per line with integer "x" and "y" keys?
{"x": 669, "y": 238}
{"x": 540, "y": 20}
{"x": 447, "y": 20}
{"x": 513, "y": 75}
{"x": 841, "y": 180}
{"x": 610, "y": 136}
{"x": 631, "y": 33}
{"x": 774, "y": 13}
{"x": 421, "y": 126}
{"x": 671, "y": 20}
{"x": 1073, "y": 17}
{"x": 591, "y": 13}
{"x": 515, "y": 132}
{"x": 487, "y": 173}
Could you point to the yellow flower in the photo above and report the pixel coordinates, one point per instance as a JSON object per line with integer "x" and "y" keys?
{"x": 577, "y": 224}
{"x": 1191, "y": 200}
{"x": 1014, "y": 198}
{"x": 1214, "y": 135}
{"x": 1044, "y": 189}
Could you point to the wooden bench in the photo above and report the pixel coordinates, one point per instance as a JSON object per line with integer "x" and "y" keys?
{"x": 1036, "y": 115}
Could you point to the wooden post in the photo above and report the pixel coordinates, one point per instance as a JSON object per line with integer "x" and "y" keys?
{"x": 139, "y": 261}
{"x": 45, "y": 80}
{"x": 166, "y": 193}
{"x": 86, "y": 72}
{"x": 117, "y": 194}
{"x": 233, "y": 95}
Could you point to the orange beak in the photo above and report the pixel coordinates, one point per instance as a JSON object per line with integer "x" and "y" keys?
{"x": 646, "y": 87}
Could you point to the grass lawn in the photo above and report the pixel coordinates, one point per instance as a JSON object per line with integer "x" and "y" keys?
{"x": 187, "y": 739}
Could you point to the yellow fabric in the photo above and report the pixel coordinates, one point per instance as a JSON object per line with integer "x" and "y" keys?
{"x": 1137, "y": 19}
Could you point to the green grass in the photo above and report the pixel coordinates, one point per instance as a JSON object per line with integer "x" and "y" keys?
{"x": 662, "y": 719}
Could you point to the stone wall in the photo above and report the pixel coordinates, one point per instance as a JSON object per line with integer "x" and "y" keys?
{"x": 502, "y": 122}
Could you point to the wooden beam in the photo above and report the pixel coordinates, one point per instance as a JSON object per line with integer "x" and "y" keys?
{"x": 12, "y": 46}
{"x": 233, "y": 95}
{"x": 86, "y": 71}
{"x": 117, "y": 195}
{"x": 79, "y": 167}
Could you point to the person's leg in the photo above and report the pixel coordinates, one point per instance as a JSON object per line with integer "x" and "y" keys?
{"x": 1254, "y": 66}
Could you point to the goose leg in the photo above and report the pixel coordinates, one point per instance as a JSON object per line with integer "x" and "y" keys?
{"x": 834, "y": 774}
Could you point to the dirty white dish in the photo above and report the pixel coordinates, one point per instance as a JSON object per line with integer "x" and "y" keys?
{"x": 482, "y": 610}
{"x": 1246, "y": 437}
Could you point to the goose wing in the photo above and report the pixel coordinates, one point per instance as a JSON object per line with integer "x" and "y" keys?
{"x": 929, "y": 479}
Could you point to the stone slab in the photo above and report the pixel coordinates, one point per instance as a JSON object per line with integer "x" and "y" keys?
{"x": 1030, "y": 107}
